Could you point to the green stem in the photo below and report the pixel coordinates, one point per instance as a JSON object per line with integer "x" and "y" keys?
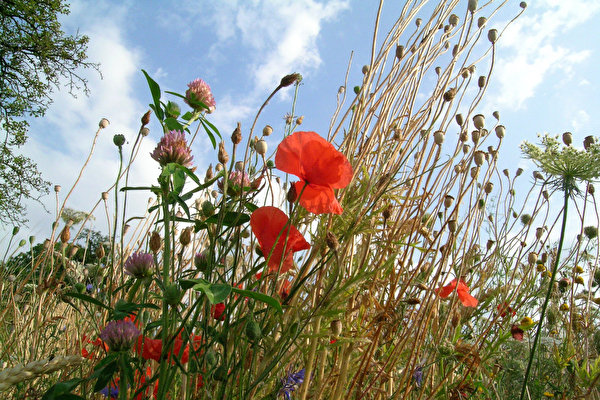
{"x": 547, "y": 300}
{"x": 122, "y": 380}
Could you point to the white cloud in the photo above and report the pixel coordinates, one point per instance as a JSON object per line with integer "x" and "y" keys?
{"x": 580, "y": 121}
{"x": 529, "y": 49}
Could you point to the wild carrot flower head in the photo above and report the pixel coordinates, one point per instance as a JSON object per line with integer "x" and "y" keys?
{"x": 461, "y": 289}
{"x": 199, "y": 97}
{"x": 566, "y": 165}
{"x": 278, "y": 239}
{"x": 320, "y": 167}
{"x": 119, "y": 335}
{"x": 139, "y": 265}
{"x": 173, "y": 148}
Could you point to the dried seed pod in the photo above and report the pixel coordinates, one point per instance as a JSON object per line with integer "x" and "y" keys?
{"x": 209, "y": 173}
{"x": 465, "y": 73}
{"x": 482, "y": 81}
{"x": 590, "y": 189}
{"x": 438, "y": 70}
{"x": 479, "y": 157}
{"x": 496, "y": 115}
{"x": 481, "y": 21}
{"x": 453, "y": 20}
{"x": 155, "y": 242}
{"x": 261, "y": 147}
{"x": 466, "y": 148}
{"x": 300, "y": 120}
{"x": 65, "y": 234}
{"x": 472, "y": 6}
{"x": 366, "y": 69}
{"x": 450, "y": 94}
{"x": 475, "y": 136}
{"x": 267, "y": 130}
{"x": 336, "y": 327}
{"x": 438, "y": 137}
{"x": 236, "y": 136}
{"x": 219, "y": 167}
{"x": 418, "y": 22}
{"x": 222, "y": 156}
{"x": 490, "y": 243}
{"x": 567, "y": 138}
{"x": 474, "y": 172}
{"x": 399, "y": 51}
{"x": 452, "y": 225}
{"x": 463, "y": 137}
{"x": 103, "y": 123}
{"x": 186, "y": 236}
{"x": 519, "y": 171}
{"x": 523, "y": 5}
{"x": 500, "y": 131}
{"x": 493, "y": 35}
{"x": 239, "y": 166}
{"x": 488, "y": 187}
{"x": 472, "y": 68}
{"x": 332, "y": 241}
{"x": 146, "y": 118}
{"x": 144, "y": 131}
{"x": 532, "y": 258}
{"x": 448, "y": 201}
{"x": 538, "y": 175}
{"x": 459, "y": 119}
{"x": 455, "y": 51}
{"x": 539, "y": 232}
{"x": 104, "y": 196}
{"x": 479, "y": 121}
{"x": 588, "y": 142}
{"x": 99, "y": 252}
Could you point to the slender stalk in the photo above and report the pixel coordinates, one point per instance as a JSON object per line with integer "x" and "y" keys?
{"x": 548, "y": 293}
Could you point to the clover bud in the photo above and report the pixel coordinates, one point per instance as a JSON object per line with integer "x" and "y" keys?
{"x": 567, "y": 138}
{"x": 222, "y": 156}
{"x": 500, "y": 131}
{"x": 332, "y": 241}
{"x": 146, "y": 118}
{"x": 459, "y": 119}
{"x": 201, "y": 262}
{"x": 236, "y": 136}
{"x": 399, "y": 51}
{"x": 336, "y": 327}
{"x": 472, "y": 6}
{"x": 267, "y": 130}
{"x": 119, "y": 140}
{"x": 119, "y": 335}
{"x": 261, "y": 147}
{"x": 481, "y": 21}
{"x": 103, "y": 123}
{"x": 57, "y": 188}
{"x": 438, "y": 137}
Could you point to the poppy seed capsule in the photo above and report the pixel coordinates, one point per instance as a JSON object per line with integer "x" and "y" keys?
{"x": 103, "y": 123}
{"x": 532, "y": 258}
{"x": 418, "y": 22}
{"x": 481, "y": 21}
{"x": 591, "y": 190}
{"x": 452, "y": 225}
{"x": 299, "y": 120}
{"x": 65, "y": 235}
{"x": 366, "y": 69}
{"x": 479, "y": 157}
{"x": 438, "y": 137}
{"x": 588, "y": 142}
{"x": 155, "y": 242}
{"x": 475, "y": 135}
{"x": 261, "y": 147}
{"x": 466, "y": 148}
{"x": 500, "y": 131}
{"x": 567, "y": 138}
{"x": 465, "y": 73}
{"x": 119, "y": 140}
{"x": 104, "y": 196}
{"x": 481, "y": 81}
{"x": 493, "y": 35}
{"x": 144, "y": 131}
{"x": 239, "y": 166}
{"x": 448, "y": 200}
{"x": 474, "y": 172}
{"x": 267, "y": 130}
{"x": 546, "y": 195}
{"x": 57, "y": 188}
{"x": 336, "y": 327}
{"x": 519, "y": 171}
{"x": 472, "y": 6}
{"x": 186, "y": 236}
{"x": 538, "y": 175}
{"x": 438, "y": 70}
{"x": 479, "y": 121}
{"x": 488, "y": 187}
{"x": 455, "y": 51}
{"x": 459, "y": 119}
{"x": 99, "y": 252}
{"x": 450, "y": 94}
{"x": 399, "y": 52}
{"x": 539, "y": 232}
{"x": 453, "y": 20}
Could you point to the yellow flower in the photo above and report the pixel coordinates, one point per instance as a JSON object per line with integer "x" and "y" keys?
{"x": 578, "y": 270}
{"x": 564, "y": 307}
{"x": 526, "y": 322}
{"x": 548, "y": 394}
{"x": 579, "y": 280}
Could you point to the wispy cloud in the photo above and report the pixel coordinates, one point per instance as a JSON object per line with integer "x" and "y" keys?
{"x": 533, "y": 47}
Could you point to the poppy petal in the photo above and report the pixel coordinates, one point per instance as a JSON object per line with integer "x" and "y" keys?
{"x": 317, "y": 199}
{"x": 277, "y": 242}
{"x": 446, "y": 290}
{"x": 466, "y": 299}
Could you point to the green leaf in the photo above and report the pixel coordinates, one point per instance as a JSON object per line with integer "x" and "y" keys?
{"x": 260, "y": 297}
{"x": 251, "y": 207}
{"x": 231, "y": 218}
{"x": 69, "y": 396}
{"x": 124, "y": 309}
{"x": 155, "y": 91}
{"x": 210, "y": 128}
{"x": 215, "y": 292}
{"x": 61, "y": 389}
{"x": 88, "y": 299}
{"x": 105, "y": 376}
{"x": 173, "y": 124}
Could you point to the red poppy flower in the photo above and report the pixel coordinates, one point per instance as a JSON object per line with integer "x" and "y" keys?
{"x": 505, "y": 309}
{"x": 151, "y": 349}
{"x": 462, "y": 290}
{"x": 320, "y": 167}
{"x": 218, "y": 311}
{"x": 278, "y": 241}
{"x": 517, "y": 333}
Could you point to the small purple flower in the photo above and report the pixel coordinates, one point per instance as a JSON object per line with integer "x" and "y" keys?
{"x": 173, "y": 148}
{"x": 119, "y": 335}
{"x": 89, "y": 288}
{"x": 199, "y": 91}
{"x": 291, "y": 382}
{"x": 418, "y": 376}
{"x": 201, "y": 261}
{"x": 238, "y": 180}
{"x": 113, "y": 389}
{"x": 139, "y": 265}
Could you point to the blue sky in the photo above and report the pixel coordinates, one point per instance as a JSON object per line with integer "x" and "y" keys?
{"x": 545, "y": 79}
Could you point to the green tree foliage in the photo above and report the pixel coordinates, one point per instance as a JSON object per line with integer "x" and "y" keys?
{"x": 36, "y": 57}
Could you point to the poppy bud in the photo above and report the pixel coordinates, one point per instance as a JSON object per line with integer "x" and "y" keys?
{"x": 519, "y": 171}
{"x": 546, "y": 195}
{"x": 292, "y": 196}
{"x": 103, "y": 123}
{"x": 332, "y": 241}
{"x": 222, "y": 156}
{"x": 418, "y": 22}
{"x": 438, "y": 70}
{"x": 100, "y": 251}
{"x": 65, "y": 235}
{"x": 236, "y": 136}
{"x": 267, "y": 130}
{"x": 146, "y": 118}
{"x": 155, "y": 242}
{"x": 261, "y": 147}
{"x": 221, "y": 373}
{"x": 119, "y": 140}
{"x": 450, "y": 94}
{"x": 290, "y": 79}
{"x": 253, "y": 331}
{"x": 588, "y": 142}
{"x": 186, "y": 236}
{"x": 523, "y": 5}
{"x": 299, "y": 120}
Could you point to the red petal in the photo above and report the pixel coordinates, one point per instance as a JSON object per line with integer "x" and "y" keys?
{"x": 268, "y": 223}
{"x": 313, "y": 159}
{"x": 466, "y": 299}
{"x": 446, "y": 290}
{"x": 317, "y": 199}
{"x": 517, "y": 333}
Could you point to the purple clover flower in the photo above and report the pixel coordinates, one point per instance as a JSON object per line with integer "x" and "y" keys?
{"x": 291, "y": 382}
{"x": 199, "y": 91}
{"x": 238, "y": 180}
{"x": 418, "y": 376}
{"x": 139, "y": 265}
{"x": 119, "y": 335}
{"x": 173, "y": 148}
{"x": 201, "y": 261}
